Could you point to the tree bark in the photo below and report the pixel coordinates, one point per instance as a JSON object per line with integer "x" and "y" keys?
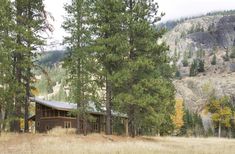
{"x": 4, "y": 119}
{"x": 219, "y": 131}
{"x": 78, "y": 97}
{"x": 17, "y": 74}
{"x": 131, "y": 116}
{"x": 1, "y": 120}
{"x": 131, "y": 108}
{"x": 26, "y": 105}
{"x": 108, "y": 108}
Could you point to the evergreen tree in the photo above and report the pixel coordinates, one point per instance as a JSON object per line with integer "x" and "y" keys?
{"x": 193, "y": 69}
{"x": 192, "y": 124}
{"x": 190, "y": 53}
{"x": 6, "y": 48}
{"x": 177, "y": 74}
{"x": 31, "y": 22}
{"x": 213, "y": 62}
{"x": 79, "y": 61}
{"x": 143, "y": 86}
{"x": 185, "y": 60}
{"x": 197, "y": 66}
{"x": 110, "y": 46}
{"x": 200, "y": 65}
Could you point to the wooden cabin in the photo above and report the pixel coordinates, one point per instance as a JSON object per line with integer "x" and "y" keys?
{"x": 51, "y": 114}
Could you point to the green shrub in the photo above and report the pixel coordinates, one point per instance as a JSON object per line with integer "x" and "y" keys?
{"x": 193, "y": 69}
{"x": 200, "y": 65}
{"x": 232, "y": 55}
{"x": 185, "y": 62}
{"x": 177, "y": 74}
{"x": 213, "y": 62}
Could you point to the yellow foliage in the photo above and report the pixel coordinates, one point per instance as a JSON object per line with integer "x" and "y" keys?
{"x": 220, "y": 110}
{"x": 177, "y": 118}
{"x": 21, "y": 123}
{"x": 35, "y": 92}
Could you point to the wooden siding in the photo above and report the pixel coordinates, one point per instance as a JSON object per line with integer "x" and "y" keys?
{"x": 47, "y": 118}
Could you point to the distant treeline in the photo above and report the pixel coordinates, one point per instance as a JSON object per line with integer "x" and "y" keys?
{"x": 169, "y": 25}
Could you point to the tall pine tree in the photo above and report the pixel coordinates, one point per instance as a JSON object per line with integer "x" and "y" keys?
{"x": 79, "y": 62}
{"x": 31, "y": 22}
{"x": 144, "y": 83}
{"x": 6, "y": 48}
{"x": 110, "y": 46}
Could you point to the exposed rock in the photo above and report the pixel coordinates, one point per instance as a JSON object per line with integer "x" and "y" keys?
{"x": 204, "y": 38}
{"x": 225, "y": 31}
{"x": 196, "y": 90}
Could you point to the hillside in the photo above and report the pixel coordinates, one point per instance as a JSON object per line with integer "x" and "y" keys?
{"x": 203, "y": 39}
{"x": 51, "y": 76}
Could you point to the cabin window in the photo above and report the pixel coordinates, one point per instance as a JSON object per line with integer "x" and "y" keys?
{"x": 62, "y": 113}
{"x": 95, "y": 127}
{"x": 38, "y": 124}
{"x": 38, "y": 107}
{"x": 56, "y": 113}
{"x": 67, "y": 124}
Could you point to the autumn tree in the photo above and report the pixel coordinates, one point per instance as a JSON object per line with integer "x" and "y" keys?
{"x": 177, "y": 118}
{"x": 221, "y": 112}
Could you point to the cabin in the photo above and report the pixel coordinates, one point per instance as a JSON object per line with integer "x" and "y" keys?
{"x": 51, "y": 114}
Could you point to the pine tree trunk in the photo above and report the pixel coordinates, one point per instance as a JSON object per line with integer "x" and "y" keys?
{"x": 108, "y": 108}
{"x": 4, "y": 119}
{"x": 78, "y": 124}
{"x": 131, "y": 116}
{"x": 18, "y": 73}
{"x": 18, "y": 100}
{"x": 78, "y": 97}
{"x": 230, "y": 133}
{"x": 1, "y": 120}
{"x": 26, "y": 105}
{"x": 131, "y": 109}
{"x": 85, "y": 126}
{"x": 219, "y": 131}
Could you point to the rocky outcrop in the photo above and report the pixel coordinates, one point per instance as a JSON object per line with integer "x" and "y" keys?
{"x": 196, "y": 90}
{"x": 225, "y": 31}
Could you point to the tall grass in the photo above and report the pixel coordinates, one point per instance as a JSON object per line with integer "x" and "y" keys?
{"x": 69, "y": 143}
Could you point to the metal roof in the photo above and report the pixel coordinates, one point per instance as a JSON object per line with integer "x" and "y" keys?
{"x": 66, "y": 106}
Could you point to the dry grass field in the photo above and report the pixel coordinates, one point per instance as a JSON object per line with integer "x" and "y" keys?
{"x": 54, "y": 143}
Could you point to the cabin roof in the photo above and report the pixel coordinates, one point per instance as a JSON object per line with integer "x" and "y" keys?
{"x": 66, "y": 106}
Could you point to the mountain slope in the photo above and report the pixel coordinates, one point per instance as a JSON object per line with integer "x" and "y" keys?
{"x": 203, "y": 38}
